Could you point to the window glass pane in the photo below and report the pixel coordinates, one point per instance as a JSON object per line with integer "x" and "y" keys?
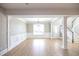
{"x": 38, "y": 29}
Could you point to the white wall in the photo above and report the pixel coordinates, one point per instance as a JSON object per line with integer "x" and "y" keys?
{"x": 17, "y": 32}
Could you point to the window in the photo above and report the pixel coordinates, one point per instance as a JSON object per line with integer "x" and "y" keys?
{"x": 38, "y": 29}
{"x": 56, "y": 29}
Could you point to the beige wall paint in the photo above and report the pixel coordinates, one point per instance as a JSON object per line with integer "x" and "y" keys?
{"x": 29, "y": 28}
{"x": 3, "y": 30}
{"x": 47, "y": 27}
{"x": 44, "y": 12}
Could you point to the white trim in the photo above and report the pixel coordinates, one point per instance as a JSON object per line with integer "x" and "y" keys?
{"x": 10, "y": 48}
{"x": 57, "y": 37}
{"x": 41, "y": 16}
{"x": 65, "y": 33}
{"x": 46, "y": 35}
{"x": 3, "y": 52}
{"x": 8, "y": 31}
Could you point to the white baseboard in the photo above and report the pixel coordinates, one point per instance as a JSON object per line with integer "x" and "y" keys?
{"x": 6, "y": 50}
{"x": 3, "y": 52}
{"x": 57, "y": 37}
{"x": 10, "y": 48}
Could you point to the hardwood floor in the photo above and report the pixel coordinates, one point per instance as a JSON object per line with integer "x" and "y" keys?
{"x": 44, "y": 47}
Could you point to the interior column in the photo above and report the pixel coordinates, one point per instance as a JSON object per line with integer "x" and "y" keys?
{"x": 65, "y": 33}
{"x": 51, "y": 30}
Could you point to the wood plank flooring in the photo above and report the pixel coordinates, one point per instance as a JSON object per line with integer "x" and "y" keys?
{"x": 43, "y": 47}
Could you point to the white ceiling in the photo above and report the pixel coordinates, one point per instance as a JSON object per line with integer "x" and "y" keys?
{"x": 41, "y": 8}
{"x": 40, "y": 5}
